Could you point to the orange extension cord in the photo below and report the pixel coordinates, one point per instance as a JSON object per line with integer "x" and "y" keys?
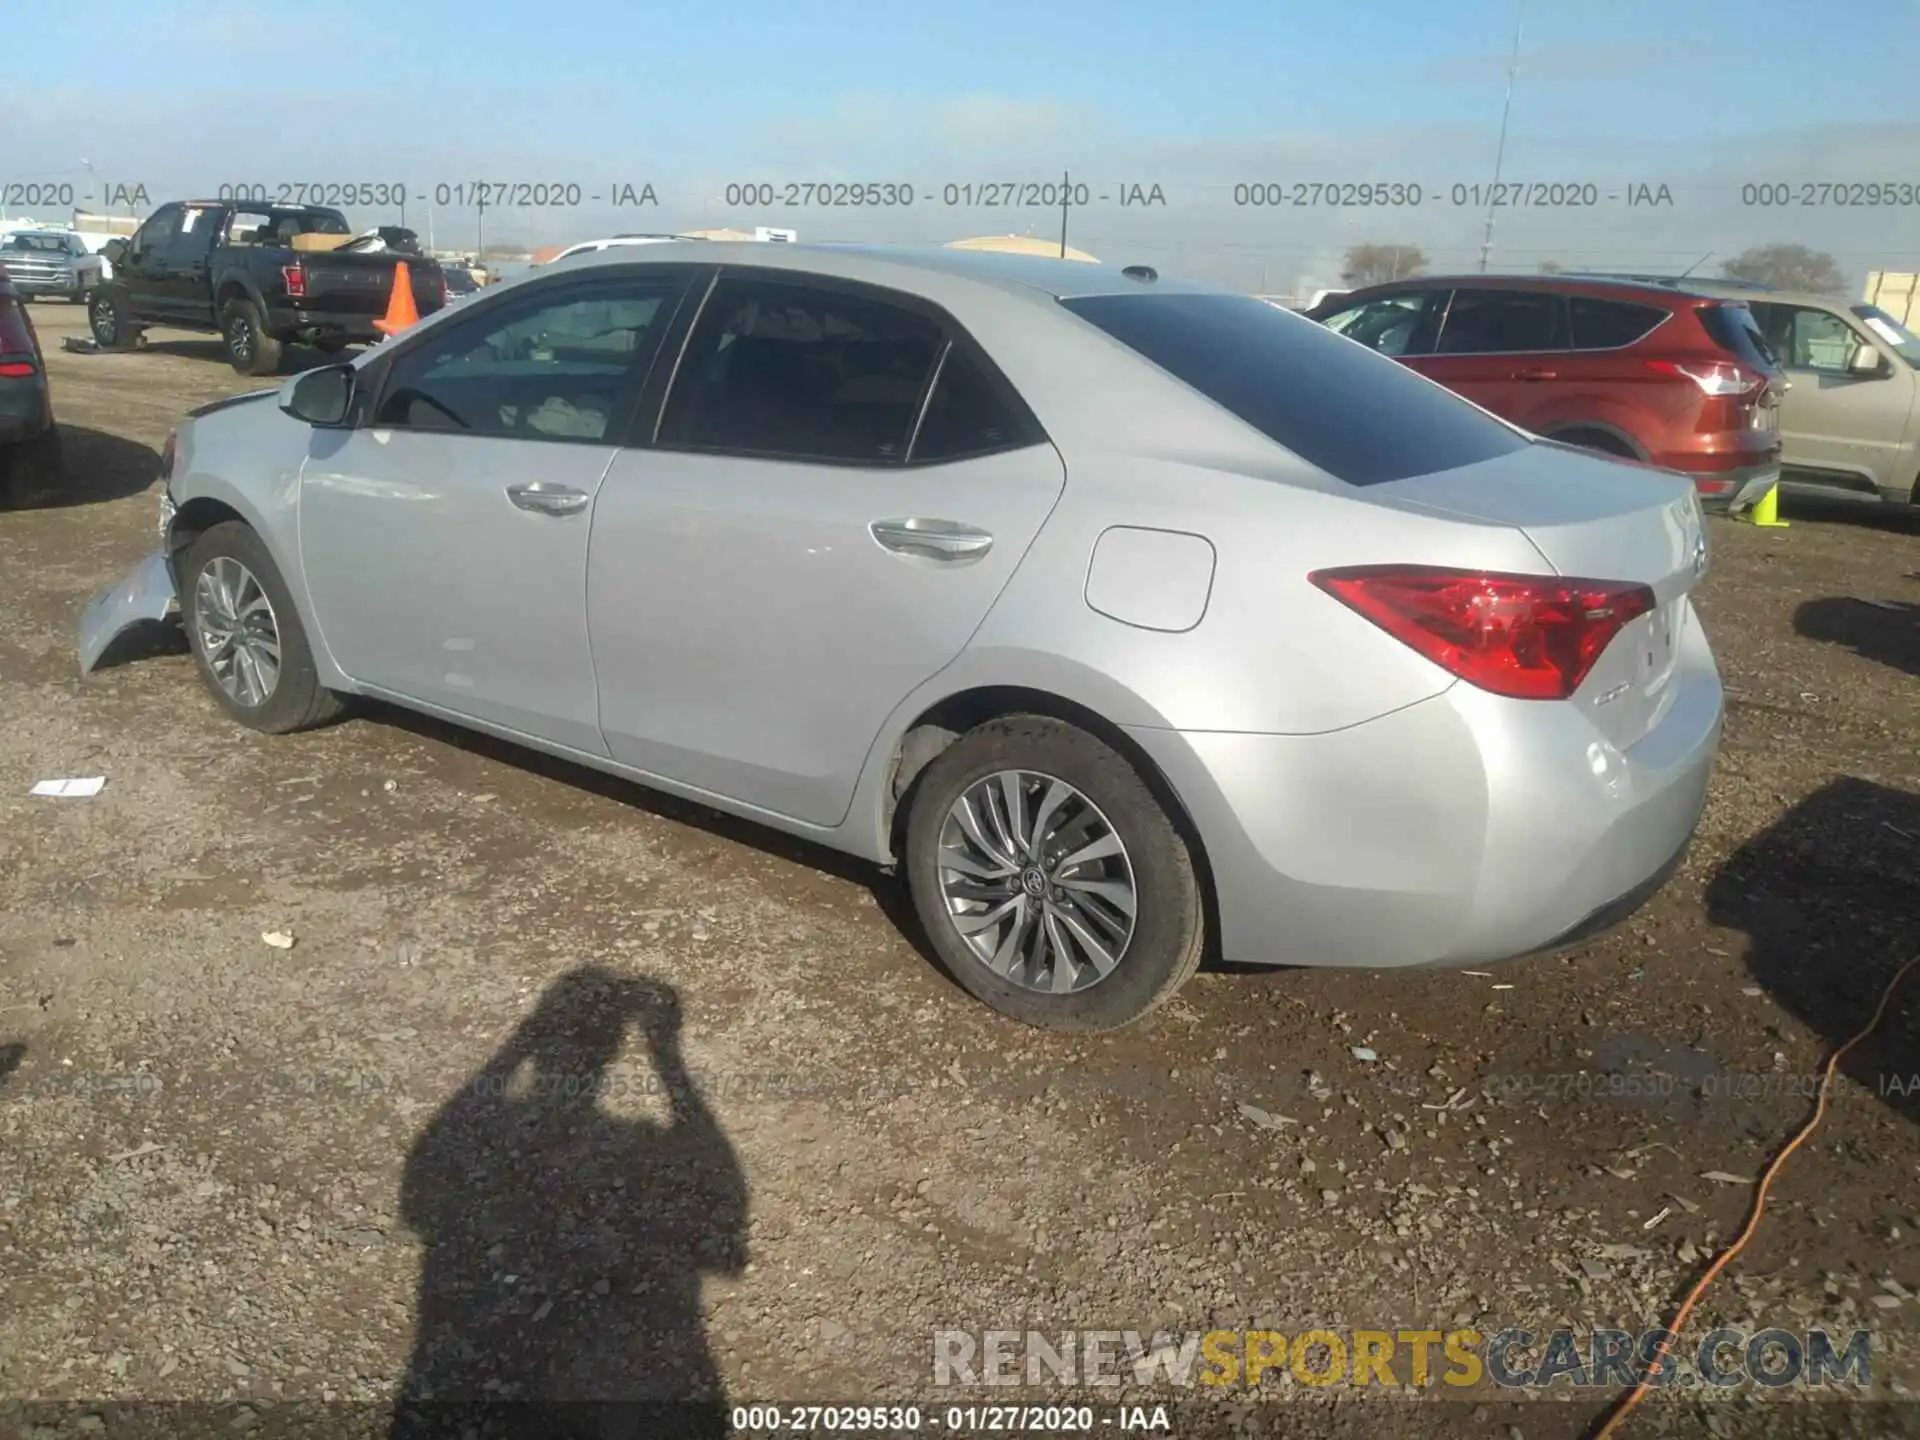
{"x": 1624, "y": 1406}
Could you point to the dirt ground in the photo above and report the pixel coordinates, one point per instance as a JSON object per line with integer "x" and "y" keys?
{"x": 301, "y": 1179}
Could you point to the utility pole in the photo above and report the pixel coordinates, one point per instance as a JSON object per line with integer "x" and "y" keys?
{"x": 480, "y": 225}
{"x": 1066, "y": 193}
{"x": 1500, "y": 151}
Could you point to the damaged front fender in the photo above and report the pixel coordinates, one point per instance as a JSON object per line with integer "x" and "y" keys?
{"x": 145, "y": 594}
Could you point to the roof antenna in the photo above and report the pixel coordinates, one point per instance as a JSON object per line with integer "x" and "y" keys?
{"x": 1696, "y": 265}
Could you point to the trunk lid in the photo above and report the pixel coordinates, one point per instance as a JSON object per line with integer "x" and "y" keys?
{"x": 354, "y": 284}
{"x": 1595, "y": 519}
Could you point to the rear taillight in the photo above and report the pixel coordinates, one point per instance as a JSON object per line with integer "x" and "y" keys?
{"x": 1528, "y": 637}
{"x": 1714, "y": 377}
{"x": 296, "y": 277}
{"x": 17, "y": 347}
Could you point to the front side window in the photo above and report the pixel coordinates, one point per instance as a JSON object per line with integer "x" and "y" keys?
{"x": 1503, "y": 322}
{"x": 1401, "y": 324}
{"x": 800, "y": 372}
{"x": 159, "y": 230}
{"x": 1808, "y": 339}
{"x": 558, "y": 366}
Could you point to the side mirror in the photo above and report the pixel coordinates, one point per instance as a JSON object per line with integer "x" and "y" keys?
{"x": 1866, "y": 362}
{"x": 114, "y": 251}
{"x": 319, "y": 397}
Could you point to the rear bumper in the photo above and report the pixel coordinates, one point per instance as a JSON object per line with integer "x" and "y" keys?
{"x": 1737, "y": 488}
{"x": 145, "y": 593}
{"x": 1461, "y": 830}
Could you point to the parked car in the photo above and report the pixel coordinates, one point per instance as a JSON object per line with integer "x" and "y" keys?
{"x": 1098, "y": 602}
{"x": 261, "y": 276}
{"x": 50, "y": 263}
{"x": 460, "y": 282}
{"x": 1638, "y": 369}
{"x": 30, "y": 468}
{"x": 1850, "y": 417}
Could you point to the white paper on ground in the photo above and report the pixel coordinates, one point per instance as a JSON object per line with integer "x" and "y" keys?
{"x": 89, "y": 786}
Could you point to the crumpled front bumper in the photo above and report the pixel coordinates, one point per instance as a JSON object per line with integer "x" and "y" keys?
{"x": 144, "y": 594}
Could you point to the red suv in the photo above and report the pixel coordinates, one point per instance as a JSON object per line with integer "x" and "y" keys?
{"x": 1642, "y": 369}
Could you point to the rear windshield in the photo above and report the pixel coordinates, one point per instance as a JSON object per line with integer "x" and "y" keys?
{"x": 1359, "y": 416}
{"x": 1734, "y": 330}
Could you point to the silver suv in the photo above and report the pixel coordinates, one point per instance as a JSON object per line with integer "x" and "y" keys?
{"x": 1850, "y": 420}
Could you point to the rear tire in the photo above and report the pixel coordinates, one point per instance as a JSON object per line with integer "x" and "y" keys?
{"x": 1144, "y": 863}
{"x": 250, "y": 349}
{"x": 230, "y": 587}
{"x": 110, "y": 329}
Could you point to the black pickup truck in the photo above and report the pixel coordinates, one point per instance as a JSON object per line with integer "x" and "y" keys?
{"x": 261, "y": 276}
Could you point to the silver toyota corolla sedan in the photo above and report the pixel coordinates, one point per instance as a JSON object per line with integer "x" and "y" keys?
{"x": 1131, "y": 618}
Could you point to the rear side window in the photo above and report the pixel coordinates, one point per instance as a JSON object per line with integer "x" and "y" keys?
{"x": 970, "y": 414}
{"x": 1610, "y": 324}
{"x": 794, "y": 372}
{"x": 1734, "y": 330}
{"x": 1358, "y": 416}
{"x": 1503, "y": 322}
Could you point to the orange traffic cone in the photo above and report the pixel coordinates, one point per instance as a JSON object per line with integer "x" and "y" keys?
{"x": 401, "y": 311}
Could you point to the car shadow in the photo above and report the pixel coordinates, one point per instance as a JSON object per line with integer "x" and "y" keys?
{"x": 889, "y": 891}
{"x": 1884, "y": 630}
{"x": 564, "y": 1244}
{"x": 1841, "y": 509}
{"x": 1826, "y": 897}
{"x": 295, "y": 359}
{"x": 91, "y": 467}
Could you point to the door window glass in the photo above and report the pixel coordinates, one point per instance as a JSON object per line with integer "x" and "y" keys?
{"x": 1393, "y": 324}
{"x": 557, "y": 366}
{"x": 1503, "y": 322}
{"x": 797, "y": 372}
{"x": 968, "y": 414}
{"x": 1815, "y": 340}
{"x": 1610, "y": 324}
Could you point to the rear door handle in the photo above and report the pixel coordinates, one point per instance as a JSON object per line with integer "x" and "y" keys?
{"x": 544, "y": 499}
{"x": 1537, "y": 375}
{"x": 932, "y": 539}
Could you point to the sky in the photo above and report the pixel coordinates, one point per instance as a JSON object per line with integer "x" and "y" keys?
{"x": 1703, "y": 96}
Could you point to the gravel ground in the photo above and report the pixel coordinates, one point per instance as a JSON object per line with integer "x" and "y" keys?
{"x": 566, "y": 1091}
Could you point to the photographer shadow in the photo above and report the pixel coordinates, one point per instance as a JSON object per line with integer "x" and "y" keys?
{"x": 1826, "y": 896}
{"x": 565, "y": 1246}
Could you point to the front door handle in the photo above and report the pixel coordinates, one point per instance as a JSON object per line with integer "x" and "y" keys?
{"x": 1537, "y": 375}
{"x": 932, "y": 539}
{"x": 544, "y": 499}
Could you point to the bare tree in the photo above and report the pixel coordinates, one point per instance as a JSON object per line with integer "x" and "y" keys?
{"x": 1376, "y": 264}
{"x": 1788, "y": 267}
{"x": 1551, "y": 267}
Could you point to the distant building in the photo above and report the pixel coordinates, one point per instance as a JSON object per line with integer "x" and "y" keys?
{"x": 1022, "y": 245}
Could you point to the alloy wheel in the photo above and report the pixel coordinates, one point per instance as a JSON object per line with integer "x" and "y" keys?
{"x": 1037, "y": 882}
{"x": 239, "y": 633}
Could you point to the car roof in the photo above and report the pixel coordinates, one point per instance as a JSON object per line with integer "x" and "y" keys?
{"x": 910, "y": 267}
{"x": 1776, "y": 297}
{"x": 1648, "y": 288}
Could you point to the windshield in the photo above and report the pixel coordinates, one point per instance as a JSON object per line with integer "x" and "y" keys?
{"x": 1892, "y": 331}
{"x": 38, "y": 244}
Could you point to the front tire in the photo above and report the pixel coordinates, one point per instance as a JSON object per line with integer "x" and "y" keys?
{"x": 250, "y": 349}
{"x": 1050, "y": 881}
{"x": 111, "y": 331}
{"x": 247, "y": 638}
